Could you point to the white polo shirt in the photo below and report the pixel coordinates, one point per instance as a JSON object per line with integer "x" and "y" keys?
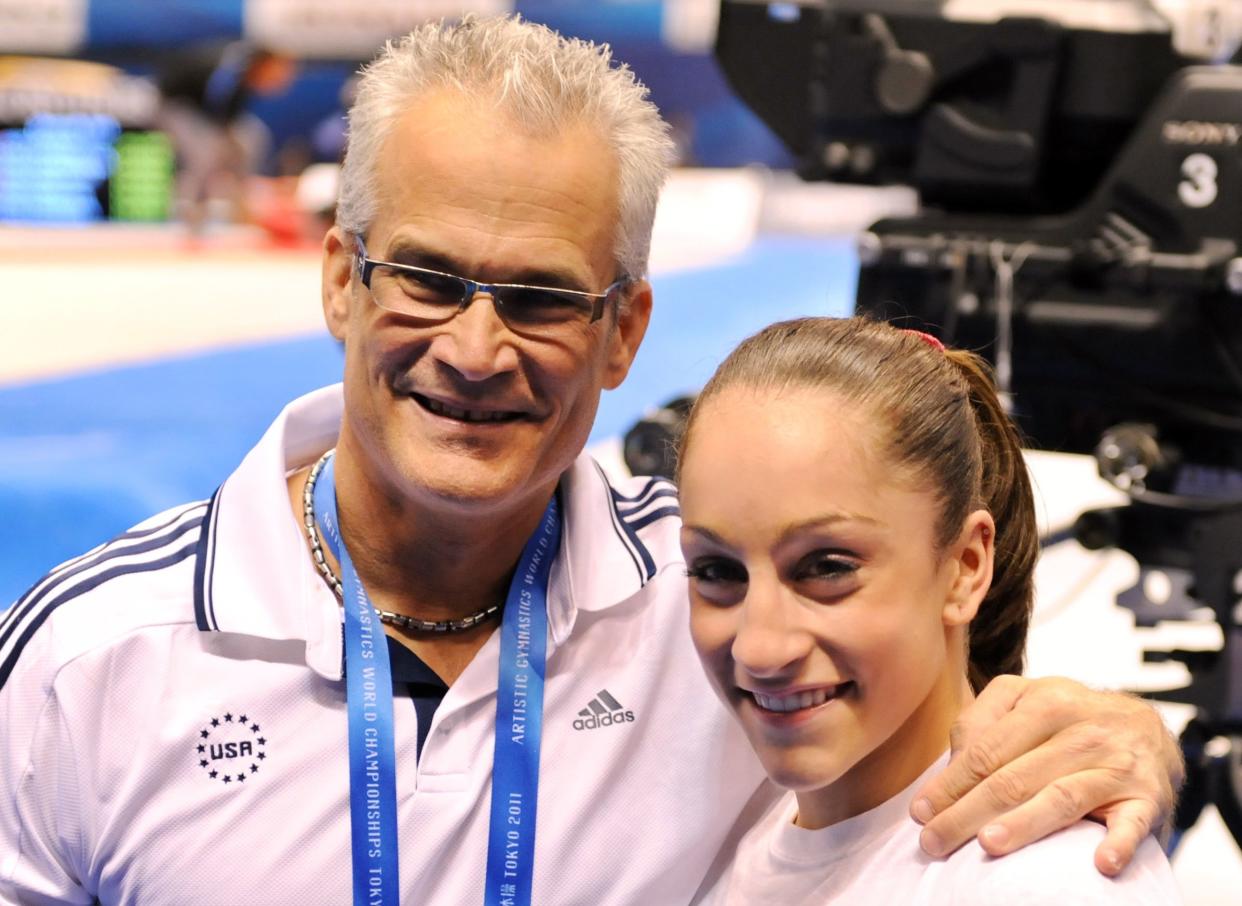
{"x": 175, "y": 729}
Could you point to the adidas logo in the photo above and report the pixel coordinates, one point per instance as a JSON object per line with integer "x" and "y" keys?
{"x": 602, "y": 711}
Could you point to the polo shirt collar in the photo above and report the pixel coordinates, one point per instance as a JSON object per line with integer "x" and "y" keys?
{"x": 254, "y": 575}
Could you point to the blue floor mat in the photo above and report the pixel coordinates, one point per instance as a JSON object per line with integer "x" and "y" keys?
{"x": 85, "y": 457}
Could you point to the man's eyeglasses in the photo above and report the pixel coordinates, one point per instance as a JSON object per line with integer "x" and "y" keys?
{"x": 436, "y": 297}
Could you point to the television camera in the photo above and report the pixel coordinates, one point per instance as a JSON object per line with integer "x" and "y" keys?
{"x": 1079, "y": 168}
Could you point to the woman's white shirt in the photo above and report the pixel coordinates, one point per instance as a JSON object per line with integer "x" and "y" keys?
{"x": 875, "y": 858}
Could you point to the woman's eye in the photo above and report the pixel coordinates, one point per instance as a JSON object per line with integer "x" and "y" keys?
{"x": 825, "y": 565}
{"x": 717, "y": 571}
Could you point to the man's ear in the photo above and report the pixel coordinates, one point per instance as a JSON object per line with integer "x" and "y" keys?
{"x": 337, "y": 285}
{"x": 970, "y": 562}
{"x": 627, "y": 334}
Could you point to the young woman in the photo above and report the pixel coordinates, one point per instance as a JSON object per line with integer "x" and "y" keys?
{"x": 860, "y": 539}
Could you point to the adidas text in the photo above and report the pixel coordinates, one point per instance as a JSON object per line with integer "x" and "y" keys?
{"x": 604, "y": 720}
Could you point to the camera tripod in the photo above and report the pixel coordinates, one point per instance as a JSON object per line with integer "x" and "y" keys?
{"x": 1198, "y": 544}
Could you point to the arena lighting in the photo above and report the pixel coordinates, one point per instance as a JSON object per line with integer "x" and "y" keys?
{"x": 1079, "y": 166}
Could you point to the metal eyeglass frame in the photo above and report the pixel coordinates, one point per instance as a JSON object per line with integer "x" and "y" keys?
{"x": 365, "y": 266}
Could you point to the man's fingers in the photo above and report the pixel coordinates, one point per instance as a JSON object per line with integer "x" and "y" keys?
{"x": 996, "y": 700}
{"x": 984, "y": 755}
{"x": 1033, "y": 756}
{"x": 1129, "y": 823}
{"x": 1020, "y": 803}
{"x": 995, "y": 794}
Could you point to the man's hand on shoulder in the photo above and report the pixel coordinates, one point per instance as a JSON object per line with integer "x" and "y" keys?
{"x": 1032, "y": 756}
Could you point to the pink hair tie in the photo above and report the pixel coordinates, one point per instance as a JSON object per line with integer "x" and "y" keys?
{"x": 926, "y": 338}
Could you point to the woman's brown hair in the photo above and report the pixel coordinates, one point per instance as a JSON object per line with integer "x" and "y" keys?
{"x": 947, "y": 430}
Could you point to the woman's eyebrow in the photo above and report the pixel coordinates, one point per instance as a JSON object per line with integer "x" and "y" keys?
{"x": 826, "y": 521}
{"x": 704, "y": 532}
{"x": 707, "y": 535}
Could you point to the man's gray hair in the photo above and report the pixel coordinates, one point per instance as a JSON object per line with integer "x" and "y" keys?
{"x": 544, "y": 81}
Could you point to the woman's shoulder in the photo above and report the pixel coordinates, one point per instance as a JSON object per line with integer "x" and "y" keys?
{"x": 1060, "y": 869}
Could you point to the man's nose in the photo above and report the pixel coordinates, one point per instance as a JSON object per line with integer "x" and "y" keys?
{"x": 477, "y": 344}
{"x": 771, "y": 640}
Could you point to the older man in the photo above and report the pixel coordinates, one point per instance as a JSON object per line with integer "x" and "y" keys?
{"x": 360, "y": 673}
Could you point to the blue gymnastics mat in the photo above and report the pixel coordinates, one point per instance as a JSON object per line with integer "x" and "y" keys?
{"x": 85, "y": 457}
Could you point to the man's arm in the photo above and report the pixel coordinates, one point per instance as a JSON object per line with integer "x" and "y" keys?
{"x": 39, "y": 795}
{"x": 1032, "y": 756}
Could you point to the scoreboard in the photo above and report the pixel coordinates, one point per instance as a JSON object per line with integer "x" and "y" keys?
{"x": 80, "y": 168}
{"x": 78, "y": 144}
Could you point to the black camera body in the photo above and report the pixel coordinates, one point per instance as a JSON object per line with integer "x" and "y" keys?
{"x": 1081, "y": 197}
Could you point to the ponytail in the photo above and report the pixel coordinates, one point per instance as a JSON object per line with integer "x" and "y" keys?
{"x": 998, "y": 631}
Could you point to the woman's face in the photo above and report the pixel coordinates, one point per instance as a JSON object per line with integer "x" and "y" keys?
{"x": 823, "y": 610}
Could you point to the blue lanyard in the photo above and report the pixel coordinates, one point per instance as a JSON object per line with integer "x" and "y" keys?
{"x": 519, "y": 721}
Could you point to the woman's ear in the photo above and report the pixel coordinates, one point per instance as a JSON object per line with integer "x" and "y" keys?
{"x": 970, "y": 559}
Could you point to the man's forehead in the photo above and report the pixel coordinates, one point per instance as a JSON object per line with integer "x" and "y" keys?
{"x": 452, "y": 164}
{"x": 482, "y": 121}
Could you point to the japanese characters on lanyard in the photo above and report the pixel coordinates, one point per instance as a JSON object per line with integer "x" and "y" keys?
{"x": 519, "y": 720}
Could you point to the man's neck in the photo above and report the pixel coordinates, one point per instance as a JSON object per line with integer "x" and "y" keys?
{"x": 429, "y": 563}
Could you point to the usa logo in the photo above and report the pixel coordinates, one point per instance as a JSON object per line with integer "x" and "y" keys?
{"x": 231, "y": 748}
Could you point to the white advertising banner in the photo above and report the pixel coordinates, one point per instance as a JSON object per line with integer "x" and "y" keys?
{"x": 331, "y": 29}
{"x": 42, "y": 26}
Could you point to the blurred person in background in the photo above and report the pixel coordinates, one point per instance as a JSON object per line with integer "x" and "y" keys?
{"x": 205, "y": 91}
{"x": 418, "y": 622}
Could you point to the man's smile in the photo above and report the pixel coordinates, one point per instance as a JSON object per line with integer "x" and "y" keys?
{"x": 462, "y": 412}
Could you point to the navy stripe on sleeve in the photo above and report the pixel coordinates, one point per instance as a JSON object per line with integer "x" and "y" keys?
{"x": 615, "y": 519}
{"x": 654, "y": 516}
{"x": 204, "y": 613}
{"x": 116, "y": 549}
{"x": 81, "y": 588}
{"x": 635, "y": 543}
{"x": 657, "y": 493}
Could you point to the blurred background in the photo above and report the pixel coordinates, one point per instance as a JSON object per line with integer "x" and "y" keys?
{"x": 168, "y": 168}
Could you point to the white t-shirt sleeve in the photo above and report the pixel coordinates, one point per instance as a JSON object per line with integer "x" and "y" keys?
{"x": 39, "y": 834}
{"x": 1057, "y": 871}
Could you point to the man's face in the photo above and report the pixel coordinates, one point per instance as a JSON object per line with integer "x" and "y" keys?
{"x": 469, "y": 413}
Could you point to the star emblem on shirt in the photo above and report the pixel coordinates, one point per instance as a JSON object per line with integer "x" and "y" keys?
{"x": 233, "y": 736}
